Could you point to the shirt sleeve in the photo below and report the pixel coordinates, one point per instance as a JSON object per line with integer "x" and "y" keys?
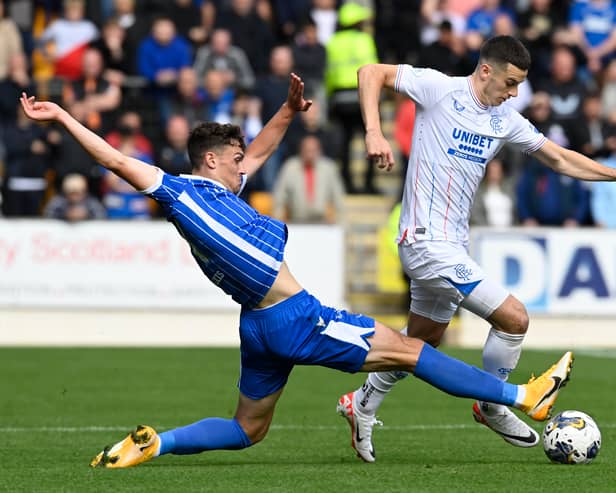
{"x": 425, "y": 86}
{"x": 524, "y": 135}
{"x": 163, "y": 190}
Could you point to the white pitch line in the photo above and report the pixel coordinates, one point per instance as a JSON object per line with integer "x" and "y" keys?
{"x": 82, "y": 429}
{"x": 596, "y": 353}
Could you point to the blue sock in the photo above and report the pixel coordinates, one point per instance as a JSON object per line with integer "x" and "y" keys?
{"x": 462, "y": 380}
{"x": 207, "y": 434}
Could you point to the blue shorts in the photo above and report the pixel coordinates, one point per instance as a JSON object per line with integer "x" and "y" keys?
{"x": 298, "y": 331}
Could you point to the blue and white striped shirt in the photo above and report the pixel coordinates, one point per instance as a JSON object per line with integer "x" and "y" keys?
{"x": 238, "y": 249}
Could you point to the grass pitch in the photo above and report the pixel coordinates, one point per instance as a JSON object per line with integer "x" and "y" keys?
{"x": 59, "y": 407}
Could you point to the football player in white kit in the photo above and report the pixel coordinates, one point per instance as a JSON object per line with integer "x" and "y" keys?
{"x": 461, "y": 123}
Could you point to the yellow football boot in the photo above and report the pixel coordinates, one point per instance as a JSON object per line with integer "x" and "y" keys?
{"x": 139, "y": 446}
{"x": 541, "y": 392}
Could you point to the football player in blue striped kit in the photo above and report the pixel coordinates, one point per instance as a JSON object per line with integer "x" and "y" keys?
{"x": 281, "y": 325}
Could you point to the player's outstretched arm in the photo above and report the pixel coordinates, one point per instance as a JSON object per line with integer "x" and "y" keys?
{"x": 139, "y": 174}
{"x": 266, "y": 142}
{"x": 574, "y": 164}
{"x": 372, "y": 78}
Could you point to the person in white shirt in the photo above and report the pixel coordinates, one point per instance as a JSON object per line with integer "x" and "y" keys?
{"x": 460, "y": 125}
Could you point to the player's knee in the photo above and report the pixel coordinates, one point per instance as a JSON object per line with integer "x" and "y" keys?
{"x": 255, "y": 431}
{"x": 518, "y": 321}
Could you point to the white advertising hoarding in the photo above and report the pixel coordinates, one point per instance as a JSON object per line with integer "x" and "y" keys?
{"x": 113, "y": 264}
{"x": 552, "y": 271}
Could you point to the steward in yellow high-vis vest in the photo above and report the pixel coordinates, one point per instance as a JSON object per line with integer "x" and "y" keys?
{"x": 347, "y": 50}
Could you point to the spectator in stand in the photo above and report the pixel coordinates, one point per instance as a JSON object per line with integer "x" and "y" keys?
{"x": 565, "y": 88}
{"x": 447, "y": 54}
{"x": 26, "y": 166}
{"x": 67, "y": 158}
{"x": 17, "y": 81}
{"x": 129, "y": 123}
{"x": 397, "y": 29}
{"x": 536, "y": 25}
{"x": 290, "y": 15}
{"x": 308, "y": 188}
{"x": 541, "y": 115}
{"x": 248, "y": 31}
{"x": 117, "y": 59}
{"x": 10, "y": 42}
{"x": 480, "y": 24}
{"x": 247, "y": 115}
{"x": 219, "y": 54}
{"x": 546, "y": 198}
{"x": 188, "y": 101}
{"x": 136, "y": 25}
{"x": 309, "y": 57}
{"x": 315, "y": 123}
{"x": 174, "y": 154}
{"x": 120, "y": 199}
{"x": 592, "y": 135}
{"x": 70, "y": 37}
{"x": 218, "y": 97}
{"x": 271, "y": 89}
{"x": 593, "y": 26}
{"x": 92, "y": 98}
{"x": 161, "y": 56}
{"x": 494, "y": 201}
{"x": 341, "y": 84}
{"x": 603, "y": 199}
{"x": 325, "y": 15}
{"x": 433, "y": 14}
{"x": 187, "y": 16}
{"x": 75, "y": 203}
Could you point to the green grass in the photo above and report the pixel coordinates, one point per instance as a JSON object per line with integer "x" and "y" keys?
{"x": 59, "y": 407}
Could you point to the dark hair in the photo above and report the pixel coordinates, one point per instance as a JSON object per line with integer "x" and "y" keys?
{"x": 210, "y": 136}
{"x": 502, "y": 50}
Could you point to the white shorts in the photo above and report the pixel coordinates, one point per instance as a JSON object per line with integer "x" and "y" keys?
{"x": 443, "y": 277}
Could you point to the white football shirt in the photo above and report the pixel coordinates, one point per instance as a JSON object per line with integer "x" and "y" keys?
{"x": 454, "y": 137}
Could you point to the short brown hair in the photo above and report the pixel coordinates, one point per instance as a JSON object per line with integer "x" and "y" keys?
{"x": 208, "y": 136}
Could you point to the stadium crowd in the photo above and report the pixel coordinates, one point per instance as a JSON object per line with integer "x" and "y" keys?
{"x": 140, "y": 73}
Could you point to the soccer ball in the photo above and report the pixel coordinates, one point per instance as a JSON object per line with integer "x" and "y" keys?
{"x": 571, "y": 437}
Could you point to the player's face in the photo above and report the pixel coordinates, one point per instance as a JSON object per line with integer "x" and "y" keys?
{"x": 502, "y": 83}
{"x": 231, "y": 167}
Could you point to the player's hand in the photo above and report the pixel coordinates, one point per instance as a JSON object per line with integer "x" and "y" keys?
{"x": 378, "y": 150}
{"x": 295, "y": 97}
{"x": 39, "y": 110}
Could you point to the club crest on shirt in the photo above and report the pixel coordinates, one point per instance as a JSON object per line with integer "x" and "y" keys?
{"x": 496, "y": 124}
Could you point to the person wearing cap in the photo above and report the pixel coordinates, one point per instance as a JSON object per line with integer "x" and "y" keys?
{"x": 347, "y": 50}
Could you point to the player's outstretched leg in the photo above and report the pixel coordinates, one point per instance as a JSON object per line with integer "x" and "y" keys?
{"x": 139, "y": 446}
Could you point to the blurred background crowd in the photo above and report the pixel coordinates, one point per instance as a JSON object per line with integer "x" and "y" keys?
{"x": 141, "y": 73}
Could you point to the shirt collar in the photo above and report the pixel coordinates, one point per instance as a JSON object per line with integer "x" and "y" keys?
{"x": 474, "y": 97}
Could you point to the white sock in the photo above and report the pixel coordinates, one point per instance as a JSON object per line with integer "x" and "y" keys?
{"x": 501, "y": 353}
{"x": 370, "y": 395}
